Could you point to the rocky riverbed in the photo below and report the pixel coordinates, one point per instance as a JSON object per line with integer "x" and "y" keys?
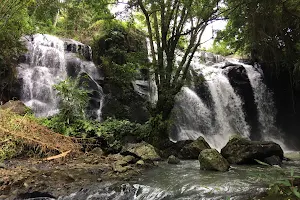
{"x": 24, "y": 178}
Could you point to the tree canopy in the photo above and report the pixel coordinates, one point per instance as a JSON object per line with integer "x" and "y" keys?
{"x": 168, "y": 22}
{"x": 267, "y": 30}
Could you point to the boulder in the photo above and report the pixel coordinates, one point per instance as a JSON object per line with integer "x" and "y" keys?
{"x": 273, "y": 160}
{"x": 120, "y": 166}
{"x": 173, "y": 160}
{"x": 211, "y": 159}
{"x": 169, "y": 148}
{"x": 193, "y": 149}
{"x": 130, "y": 159}
{"x": 141, "y": 150}
{"x": 243, "y": 151}
{"x": 17, "y": 107}
{"x": 97, "y": 151}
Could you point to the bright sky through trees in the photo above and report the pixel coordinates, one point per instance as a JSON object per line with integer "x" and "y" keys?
{"x": 121, "y": 12}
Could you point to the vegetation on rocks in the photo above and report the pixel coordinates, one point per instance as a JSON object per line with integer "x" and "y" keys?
{"x": 211, "y": 159}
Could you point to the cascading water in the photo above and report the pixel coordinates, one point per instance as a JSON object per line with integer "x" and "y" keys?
{"x": 225, "y": 116}
{"x": 265, "y": 105}
{"x": 49, "y": 61}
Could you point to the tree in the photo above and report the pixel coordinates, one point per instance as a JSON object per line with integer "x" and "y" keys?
{"x": 267, "y": 30}
{"x": 13, "y": 23}
{"x": 168, "y": 22}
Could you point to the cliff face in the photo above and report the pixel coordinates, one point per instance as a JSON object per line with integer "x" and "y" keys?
{"x": 287, "y": 100}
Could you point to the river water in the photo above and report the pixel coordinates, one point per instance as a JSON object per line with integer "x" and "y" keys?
{"x": 186, "y": 181}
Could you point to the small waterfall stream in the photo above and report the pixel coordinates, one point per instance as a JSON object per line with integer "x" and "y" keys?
{"x": 49, "y": 61}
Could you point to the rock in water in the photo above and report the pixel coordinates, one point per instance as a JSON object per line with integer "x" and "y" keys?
{"x": 211, "y": 159}
{"x": 273, "y": 160}
{"x": 173, "y": 160}
{"x": 141, "y": 150}
{"x": 17, "y": 107}
{"x": 193, "y": 149}
{"x": 243, "y": 151}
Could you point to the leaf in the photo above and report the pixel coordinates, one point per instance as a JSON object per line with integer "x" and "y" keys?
{"x": 296, "y": 192}
{"x": 284, "y": 182}
{"x": 262, "y": 163}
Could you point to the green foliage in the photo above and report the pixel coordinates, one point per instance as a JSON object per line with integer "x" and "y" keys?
{"x": 72, "y": 119}
{"x": 221, "y": 48}
{"x": 285, "y": 187}
{"x": 77, "y": 128}
{"x": 262, "y": 163}
{"x": 74, "y": 100}
{"x": 121, "y": 128}
{"x": 120, "y": 50}
{"x": 13, "y": 23}
{"x": 268, "y": 31}
{"x": 280, "y": 183}
{"x": 8, "y": 148}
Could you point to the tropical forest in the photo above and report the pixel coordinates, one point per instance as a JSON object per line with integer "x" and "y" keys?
{"x": 150, "y": 99}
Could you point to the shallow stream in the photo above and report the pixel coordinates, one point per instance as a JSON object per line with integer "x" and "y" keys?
{"x": 186, "y": 181}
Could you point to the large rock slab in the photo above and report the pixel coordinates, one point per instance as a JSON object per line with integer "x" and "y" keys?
{"x": 211, "y": 159}
{"x": 185, "y": 149}
{"x": 243, "y": 151}
{"x": 17, "y": 107}
{"x": 193, "y": 149}
{"x": 141, "y": 150}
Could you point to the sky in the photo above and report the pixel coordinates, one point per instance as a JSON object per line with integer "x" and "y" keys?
{"x": 207, "y": 35}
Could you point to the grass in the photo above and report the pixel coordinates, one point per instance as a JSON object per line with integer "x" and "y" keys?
{"x": 23, "y": 135}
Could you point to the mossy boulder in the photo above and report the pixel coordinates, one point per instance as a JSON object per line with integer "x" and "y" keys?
{"x": 193, "y": 149}
{"x": 173, "y": 160}
{"x": 243, "y": 151}
{"x": 211, "y": 159}
{"x": 17, "y": 107}
{"x": 141, "y": 150}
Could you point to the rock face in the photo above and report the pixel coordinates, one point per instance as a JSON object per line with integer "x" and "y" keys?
{"x": 16, "y": 106}
{"x": 141, "y": 150}
{"x": 173, "y": 160}
{"x": 193, "y": 149}
{"x": 211, "y": 159}
{"x": 273, "y": 160}
{"x": 186, "y": 149}
{"x": 243, "y": 151}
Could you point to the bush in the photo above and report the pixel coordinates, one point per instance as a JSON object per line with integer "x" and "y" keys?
{"x": 121, "y": 128}
{"x": 74, "y": 100}
{"x": 121, "y": 51}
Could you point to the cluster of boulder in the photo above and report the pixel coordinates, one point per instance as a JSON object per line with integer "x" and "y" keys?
{"x": 238, "y": 150}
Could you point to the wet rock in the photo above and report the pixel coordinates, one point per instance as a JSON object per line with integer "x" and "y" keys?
{"x": 120, "y": 166}
{"x": 140, "y": 163}
{"x": 2, "y": 166}
{"x": 169, "y": 148}
{"x": 193, "y": 149}
{"x": 173, "y": 160}
{"x": 243, "y": 151}
{"x": 141, "y": 150}
{"x": 273, "y": 160}
{"x": 211, "y": 159}
{"x": 17, "y": 107}
{"x": 130, "y": 159}
{"x": 97, "y": 151}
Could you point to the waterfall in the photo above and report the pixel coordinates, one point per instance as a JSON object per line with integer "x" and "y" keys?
{"x": 225, "y": 115}
{"x": 49, "y": 61}
{"x": 265, "y": 106}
